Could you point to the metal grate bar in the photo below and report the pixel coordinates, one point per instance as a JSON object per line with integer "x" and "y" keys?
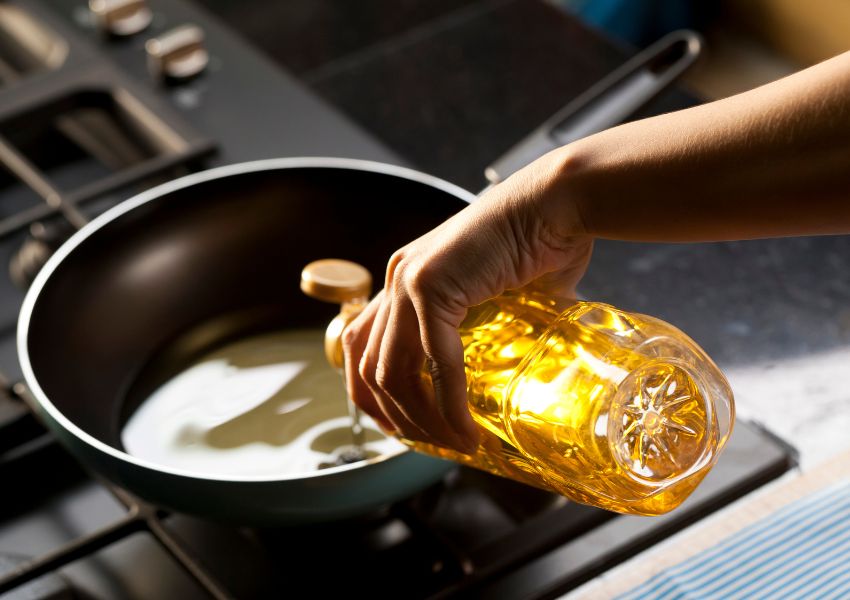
{"x": 409, "y": 516}
{"x": 33, "y": 177}
{"x": 136, "y": 173}
{"x": 152, "y": 521}
{"x": 70, "y": 552}
{"x": 67, "y": 204}
{"x": 140, "y": 516}
{"x": 187, "y": 561}
{"x": 21, "y": 219}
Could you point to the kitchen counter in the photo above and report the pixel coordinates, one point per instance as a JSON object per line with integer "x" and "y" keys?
{"x": 449, "y": 85}
{"x": 452, "y": 85}
{"x": 747, "y": 536}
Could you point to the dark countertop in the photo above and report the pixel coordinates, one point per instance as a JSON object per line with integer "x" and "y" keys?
{"x": 448, "y": 85}
{"x": 451, "y": 85}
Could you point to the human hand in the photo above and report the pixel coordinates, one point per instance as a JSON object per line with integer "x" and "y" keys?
{"x": 521, "y": 232}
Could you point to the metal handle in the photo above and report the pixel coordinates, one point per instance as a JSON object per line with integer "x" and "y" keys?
{"x": 609, "y": 102}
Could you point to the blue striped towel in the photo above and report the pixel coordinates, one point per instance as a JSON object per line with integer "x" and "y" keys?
{"x": 800, "y": 551}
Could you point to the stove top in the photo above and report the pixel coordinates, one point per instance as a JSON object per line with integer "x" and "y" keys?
{"x": 472, "y": 533}
{"x": 84, "y": 125}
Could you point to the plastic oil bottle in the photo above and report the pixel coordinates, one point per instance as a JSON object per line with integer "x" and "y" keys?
{"x": 612, "y": 409}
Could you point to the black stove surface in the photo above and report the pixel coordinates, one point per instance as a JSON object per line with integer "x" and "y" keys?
{"x": 471, "y": 534}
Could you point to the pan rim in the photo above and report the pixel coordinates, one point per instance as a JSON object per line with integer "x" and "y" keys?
{"x": 54, "y": 262}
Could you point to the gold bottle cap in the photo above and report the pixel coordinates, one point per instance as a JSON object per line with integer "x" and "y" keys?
{"x": 336, "y": 280}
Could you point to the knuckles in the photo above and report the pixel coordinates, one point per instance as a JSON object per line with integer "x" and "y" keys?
{"x": 384, "y": 379}
{"x": 408, "y": 274}
{"x": 395, "y": 381}
{"x": 394, "y": 266}
{"x": 418, "y": 280}
{"x": 349, "y": 339}
{"x": 367, "y": 374}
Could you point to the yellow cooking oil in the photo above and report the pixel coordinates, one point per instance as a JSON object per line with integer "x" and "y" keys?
{"x": 611, "y": 409}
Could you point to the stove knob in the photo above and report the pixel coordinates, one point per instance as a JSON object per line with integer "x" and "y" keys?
{"x": 178, "y": 54}
{"x": 121, "y": 17}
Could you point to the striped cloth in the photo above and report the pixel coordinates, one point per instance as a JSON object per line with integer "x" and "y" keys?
{"x": 801, "y": 551}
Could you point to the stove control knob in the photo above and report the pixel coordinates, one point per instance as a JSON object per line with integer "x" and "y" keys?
{"x": 178, "y": 54}
{"x": 121, "y": 17}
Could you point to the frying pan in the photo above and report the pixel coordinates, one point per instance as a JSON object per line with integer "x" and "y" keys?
{"x": 217, "y": 255}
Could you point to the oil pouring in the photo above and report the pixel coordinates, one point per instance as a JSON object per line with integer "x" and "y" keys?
{"x": 612, "y": 409}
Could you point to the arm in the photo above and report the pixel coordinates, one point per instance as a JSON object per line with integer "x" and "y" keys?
{"x": 773, "y": 161}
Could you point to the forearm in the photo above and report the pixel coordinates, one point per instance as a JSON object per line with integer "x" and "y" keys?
{"x": 774, "y": 161}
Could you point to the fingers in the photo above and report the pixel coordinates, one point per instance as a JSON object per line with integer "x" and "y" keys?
{"x": 354, "y": 341}
{"x": 400, "y": 375}
{"x": 370, "y": 369}
{"x": 385, "y": 362}
{"x": 501, "y": 242}
{"x": 443, "y": 347}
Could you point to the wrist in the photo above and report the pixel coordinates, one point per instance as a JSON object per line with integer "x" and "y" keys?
{"x": 564, "y": 203}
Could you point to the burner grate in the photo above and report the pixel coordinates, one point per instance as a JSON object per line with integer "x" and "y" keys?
{"x": 427, "y": 538}
{"x": 41, "y": 451}
{"x": 68, "y": 204}
{"x": 460, "y": 537}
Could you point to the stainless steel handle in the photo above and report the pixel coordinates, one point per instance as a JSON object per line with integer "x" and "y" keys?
{"x": 609, "y": 102}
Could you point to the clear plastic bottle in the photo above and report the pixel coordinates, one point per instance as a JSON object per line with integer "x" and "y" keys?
{"x": 612, "y": 409}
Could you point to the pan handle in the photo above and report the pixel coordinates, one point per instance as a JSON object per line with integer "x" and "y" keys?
{"x": 607, "y": 103}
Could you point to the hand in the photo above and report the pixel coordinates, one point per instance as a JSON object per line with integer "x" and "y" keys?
{"x": 521, "y": 232}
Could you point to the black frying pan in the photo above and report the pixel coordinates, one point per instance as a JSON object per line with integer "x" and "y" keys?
{"x": 217, "y": 255}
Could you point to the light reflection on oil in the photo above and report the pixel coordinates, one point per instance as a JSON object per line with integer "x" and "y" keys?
{"x": 265, "y": 405}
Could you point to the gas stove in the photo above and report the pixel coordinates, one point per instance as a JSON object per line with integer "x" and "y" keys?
{"x": 90, "y": 114}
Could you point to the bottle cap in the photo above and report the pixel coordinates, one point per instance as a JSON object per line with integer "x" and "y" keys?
{"x": 336, "y": 280}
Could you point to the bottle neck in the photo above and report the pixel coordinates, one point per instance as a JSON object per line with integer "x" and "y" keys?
{"x": 349, "y": 310}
